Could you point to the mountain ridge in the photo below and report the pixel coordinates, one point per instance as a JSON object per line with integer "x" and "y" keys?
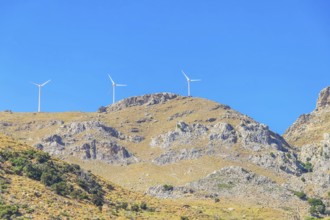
{"x": 144, "y": 143}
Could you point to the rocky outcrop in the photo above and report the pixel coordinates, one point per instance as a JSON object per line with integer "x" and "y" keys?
{"x": 150, "y": 99}
{"x": 231, "y": 182}
{"x": 224, "y": 133}
{"x": 317, "y": 179}
{"x": 304, "y": 129}
{"x": 109, "y": 152}
{"x": 257, "y": 137}
{"x": 310, "y": 134}
{"x": 78, "y": 139}
{"x": 173, "y": 156}
{"x": 324, "y": 99}
{"x": 75, "y": 128}
{"x": 183, "y": 134}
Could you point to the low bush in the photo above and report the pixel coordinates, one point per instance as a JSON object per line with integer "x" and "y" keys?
{"x": 62, "y": 188}
{"x": 135, "y": 208}
{"x": 300, "y": 195}
{"x": 50, "y": 177}
{"x": 143, "y": 206}
{"x": 168, "y": 187}
{"x": 317, "y": 206}
{"x": 8, "y": 211}
{"x": 32, "y": 171}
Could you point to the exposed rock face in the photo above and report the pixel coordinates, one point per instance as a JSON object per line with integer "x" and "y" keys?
{"x": 318, "y": 156}
{"x": 75, "y": 128}
{"x": 172, "y": 156}
{"x": 109, "y": 152}
{"x": 324, "y": 99}
{"x": 219, "y": 139}
{"x": 310, "y": 134}
{"x": 224, "y": 133}
{"x": 78, "y": 139}
{"x": 306, "y": 129}
{"x": 232, "y": 182}
{"x": 150, "y": 99}
{"x": 257, "y": 136}
{"x": 183, "y": 134}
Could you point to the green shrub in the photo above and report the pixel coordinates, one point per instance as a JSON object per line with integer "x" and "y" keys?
{"x": 300, "y": 195}
{"x": 8, "y": 211}
{"x": 78, "y": 194}
{"x": 29, "y": 154}
{"x": 317, "y": 206}
{"x": 61, "y": 188}
{"x": 168, "y": 187}
{"x": 184, "y": 218}
{"x": 71, "y": 168}
{"x": 135, "y": 208}
{"x": 225, "y": 185}
{"x": 97, "y": 200}
{"x": 32, "y": 171}
{"x": 50, "y": 177}
{"x": 88, "y": 183}
{"x": 307, "y": 167}
{"x": 3, "y": 184}
{"x": 42, "y": 157}
{"x": 18, "y": 164}
{"x": 143, "y": 206}
{"x": 122, "y": 205}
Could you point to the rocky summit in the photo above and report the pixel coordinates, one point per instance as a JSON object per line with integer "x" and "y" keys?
{"x": 193, "y": 150}
{"x": 324, "y": 99}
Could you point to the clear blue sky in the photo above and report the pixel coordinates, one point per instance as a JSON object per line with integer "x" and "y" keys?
{"x": 266, "y": 59}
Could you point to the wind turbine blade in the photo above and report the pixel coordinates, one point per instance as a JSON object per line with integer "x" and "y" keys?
{"x": 45, "y": 83}
{"x": 35, "y": 84}
{"x": 121, "y": 85}
{"x": 185, "y": 75}
{"x": 111, "y": 79}
{"x": 195, "y": 80}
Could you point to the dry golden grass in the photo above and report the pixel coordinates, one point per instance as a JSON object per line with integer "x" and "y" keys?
{"x": 311, "y": 132}
{"x": 38, "y": 202}
{"x": 138, "y": 177}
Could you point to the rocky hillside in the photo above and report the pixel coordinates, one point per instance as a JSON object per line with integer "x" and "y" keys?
{"x": 311, "y": 135}
{"x": 35, "y": 186}
{"x": 313, "y": 127}
{"x": 180, "y": 148}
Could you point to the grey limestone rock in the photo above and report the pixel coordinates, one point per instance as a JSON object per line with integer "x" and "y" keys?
{"x": 224, "y": 133}
{"x": 233, "y": 182}
{"x": 257, "y": 137}
{"x": 183, "y": 134}
{"x": 324, "y": 99}
{"x": 147, "y": 100}
{"x": 172, "y": 156}
{"x": 109, "y": 152}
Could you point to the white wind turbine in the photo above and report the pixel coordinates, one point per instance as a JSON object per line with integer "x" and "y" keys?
{"x": 39, "y": 98}
{"x": 114, "y": 89}
{"x": 189, "y": 80}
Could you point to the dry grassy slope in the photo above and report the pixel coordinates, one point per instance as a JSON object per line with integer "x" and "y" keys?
{"x": 142, "y": 175}
{"x": 311, "y": 130}
{"x": 39, "y": 202}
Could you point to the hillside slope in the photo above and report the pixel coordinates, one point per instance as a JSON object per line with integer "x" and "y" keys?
{"x": 311, "y": 135}
{"x": 144, "y": 143}
{"x": 35, "y": 186}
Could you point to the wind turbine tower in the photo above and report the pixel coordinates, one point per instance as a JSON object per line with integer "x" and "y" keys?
{"x": 39, "y": 98}
{"x": 114, "y": 89}
{"x": 189, "y": 81}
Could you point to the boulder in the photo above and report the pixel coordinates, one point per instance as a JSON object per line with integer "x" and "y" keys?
{"x": 324, "y": 99}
